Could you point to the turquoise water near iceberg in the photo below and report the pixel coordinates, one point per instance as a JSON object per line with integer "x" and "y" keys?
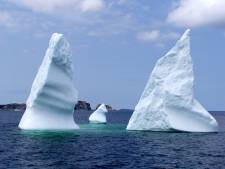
{"x": 108, "y": 146}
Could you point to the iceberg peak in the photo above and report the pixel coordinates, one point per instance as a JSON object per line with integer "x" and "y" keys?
{"x": 99, "y": 115}
{"x": 59, "y": 50}
{"x": 53, "y": 96}
{"x": 186, "y": 33}
{"x": 167, "y": 102}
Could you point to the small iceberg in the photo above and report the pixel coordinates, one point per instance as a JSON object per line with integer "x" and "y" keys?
{"x": 50, "y": 105}
{"x": 167, "y": 102}
{"x": 99, "y": 115}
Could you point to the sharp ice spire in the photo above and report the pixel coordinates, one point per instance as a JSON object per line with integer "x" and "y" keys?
{"x": 53, "y": 95}
{"x": 167, "y": 101}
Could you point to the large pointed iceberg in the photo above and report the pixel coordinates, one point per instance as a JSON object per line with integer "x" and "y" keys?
{"x": 99, "y": 115}
{"x": 53, "y": 96}
{"x": 167, "y": 102}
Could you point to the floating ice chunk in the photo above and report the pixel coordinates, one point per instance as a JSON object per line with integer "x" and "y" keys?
{"x": 53, "y": 96}
{"x": 98, "y": 116}
{"x": 167, "y": 102}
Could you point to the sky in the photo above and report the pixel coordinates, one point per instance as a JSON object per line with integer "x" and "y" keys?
{"x": 115, "y": 44}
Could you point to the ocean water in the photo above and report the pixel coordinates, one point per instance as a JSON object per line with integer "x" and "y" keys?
{"x": 108, "y": 146}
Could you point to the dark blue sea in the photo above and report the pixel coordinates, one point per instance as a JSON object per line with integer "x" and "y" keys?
{"x": 108, "y": 146}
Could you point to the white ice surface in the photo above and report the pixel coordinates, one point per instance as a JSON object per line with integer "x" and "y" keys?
{"x": 167, "y": 101}
{"x": 50, "y": 105}
{"x": 99, "y": 115}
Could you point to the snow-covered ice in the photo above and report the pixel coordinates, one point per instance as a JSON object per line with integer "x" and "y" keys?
{"x": 99, "y": 115}
{"x": 50, "y": 105}
{"x": 167, "y": 102}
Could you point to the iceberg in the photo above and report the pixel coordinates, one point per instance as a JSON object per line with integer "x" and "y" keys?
{"x": 50, "y": 105}
{"x": 98, "y": 116}
{"x": 167, "y": 102}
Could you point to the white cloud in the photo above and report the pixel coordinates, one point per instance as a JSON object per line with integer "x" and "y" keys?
{"x": 61, "y": 6}
{"x": 92, "y": 5}
{"x": 94, "y": 18}
{"x": 159, "y": 38}
{"x": 148, "y": 35}
{"x": 193, "y": 13}
{"x": 82, "y": 13}
{"x": 46, "y": 6}
{"x": 6, "y": 19}
{"x": 171, "y": 35}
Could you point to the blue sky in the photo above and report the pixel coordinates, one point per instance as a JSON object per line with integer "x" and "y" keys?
{"x": 115, "y": 44}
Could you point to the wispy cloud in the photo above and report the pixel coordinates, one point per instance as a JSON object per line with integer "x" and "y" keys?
{"x": 103, "y": 19}
{"x": 148, "y": 35}
{"x": 47, "y": 6}
{"x": 72, "y": 12}
{"x": 92, "y": 5}
{"x": 59, "y": 6}
{"x": 157, "y": 37}
{"x": 193, "y": 13}
{"x": 6, "y": 19}
{"x": 170, "y": 35}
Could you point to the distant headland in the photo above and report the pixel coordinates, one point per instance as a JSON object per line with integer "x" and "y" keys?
{"x": 81, "y": 105}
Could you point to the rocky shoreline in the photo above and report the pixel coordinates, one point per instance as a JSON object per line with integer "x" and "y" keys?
{"x": 81, "y": 105}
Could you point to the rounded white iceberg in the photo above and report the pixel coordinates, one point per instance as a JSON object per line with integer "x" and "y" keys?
{"x": 167, "y": 102}
{"x": 50, "y": 105}
{"x": 99, "y": 115}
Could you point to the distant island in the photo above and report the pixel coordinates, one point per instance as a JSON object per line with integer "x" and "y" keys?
{"x": 81, "y": 105}
{"x": 13, "y": 107}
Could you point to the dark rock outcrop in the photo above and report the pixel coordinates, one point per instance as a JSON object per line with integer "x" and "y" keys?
{"x": 13, "y": 107}
{"x": 109, "y": 108}
{"x": 82, "y": 105}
